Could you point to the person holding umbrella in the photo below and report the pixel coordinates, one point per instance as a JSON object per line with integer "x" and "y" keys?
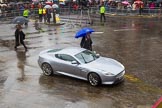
{"x": 19, "y": 37}
{"x": 86, "y": 42}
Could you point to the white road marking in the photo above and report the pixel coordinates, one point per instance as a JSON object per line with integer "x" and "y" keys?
{"x": 133, "y": 29}
{"x": 98, "y": 32}
{"x": 124, "y": 30}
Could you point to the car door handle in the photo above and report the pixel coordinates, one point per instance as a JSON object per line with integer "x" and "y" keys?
{"x": 83, "y": 69}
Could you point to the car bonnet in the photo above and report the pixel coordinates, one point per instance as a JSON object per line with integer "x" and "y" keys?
{"x": 106, "y": 65}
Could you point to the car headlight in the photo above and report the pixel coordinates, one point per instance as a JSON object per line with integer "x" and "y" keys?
{"x": 108, "y": 74}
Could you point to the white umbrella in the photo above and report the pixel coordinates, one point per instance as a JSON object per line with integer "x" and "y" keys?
{"x": 62, "y": 3}
{"x": 47, "y": 6}
{"x": 55, "y": 6}
{"x": 48, "y": 3}
{"x": 19, "y": 20}
{"x": 12, "y": 3}
{"x": 19, "y": 3}
{"x": 3, "y": 4}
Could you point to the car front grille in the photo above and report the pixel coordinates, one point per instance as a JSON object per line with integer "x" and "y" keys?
{"x": 120, "y": 74}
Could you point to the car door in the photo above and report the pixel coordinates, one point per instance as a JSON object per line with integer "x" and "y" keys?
{"x": 65, "y": 65}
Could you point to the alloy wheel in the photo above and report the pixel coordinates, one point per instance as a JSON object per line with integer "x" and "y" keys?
{"x": 47, "y": 69}
{"x": 94, "y": 79}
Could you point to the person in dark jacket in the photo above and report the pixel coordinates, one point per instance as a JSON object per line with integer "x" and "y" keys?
{"x": 86, "y": 42}
{"x": 19, "y": 37}
{"x": 48, "y": 16}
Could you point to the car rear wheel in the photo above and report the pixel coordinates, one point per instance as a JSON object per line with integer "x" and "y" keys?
{"x": 47, "y": 69}
{"x": 94, "y": 79}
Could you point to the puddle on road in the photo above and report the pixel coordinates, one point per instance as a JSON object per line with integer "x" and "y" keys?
{"x": 2, "y": 80}
{"x": 21, "y": 56}
{"x": 74, "y": 90}
{"x": 7, "y": 43}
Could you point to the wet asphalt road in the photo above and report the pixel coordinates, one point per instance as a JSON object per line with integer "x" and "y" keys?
{"x": 135, "y": 42}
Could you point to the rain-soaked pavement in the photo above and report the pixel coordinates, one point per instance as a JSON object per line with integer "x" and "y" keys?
{"x": 135, "y": 42}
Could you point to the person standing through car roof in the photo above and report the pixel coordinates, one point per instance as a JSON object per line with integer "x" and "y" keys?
{"x": 86, "y": 42}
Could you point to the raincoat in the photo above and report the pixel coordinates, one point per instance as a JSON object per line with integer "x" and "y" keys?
{"x": 19, "y": 38}
{"x": 86, "y": 43}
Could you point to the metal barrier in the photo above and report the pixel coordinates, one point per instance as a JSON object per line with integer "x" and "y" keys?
{"x": 145, "y": 11}
{"x": 14, "y": 13}
{"x": 72, "y": 16}
{"x": 95, "y": 10}
{"x": 92, "y": 11}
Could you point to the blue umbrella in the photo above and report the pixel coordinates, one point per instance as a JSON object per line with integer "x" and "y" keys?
{"x": 83, "y": 32}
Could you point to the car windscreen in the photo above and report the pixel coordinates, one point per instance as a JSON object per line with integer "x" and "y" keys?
{"x": 54, "y": 50}
{"x": 86, "y": 56}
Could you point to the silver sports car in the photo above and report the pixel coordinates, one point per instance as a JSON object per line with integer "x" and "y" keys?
{"x": 82, "y": 64}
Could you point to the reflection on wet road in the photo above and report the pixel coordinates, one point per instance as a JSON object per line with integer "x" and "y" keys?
{"x": 136, "y": 43}
{"x": 21, "y": 64}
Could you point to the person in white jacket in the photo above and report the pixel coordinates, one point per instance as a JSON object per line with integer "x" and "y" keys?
{"x": 133, "y": 6}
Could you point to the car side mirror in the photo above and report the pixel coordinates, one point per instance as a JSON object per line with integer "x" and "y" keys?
{"x": 94, "y": 52}
{"x": 74, "y": 62}
{"x": 98, "y": 55}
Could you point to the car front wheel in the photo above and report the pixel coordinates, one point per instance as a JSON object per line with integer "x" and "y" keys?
{"x": 94, "y": 79}
{"x": 47, "y": 69}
